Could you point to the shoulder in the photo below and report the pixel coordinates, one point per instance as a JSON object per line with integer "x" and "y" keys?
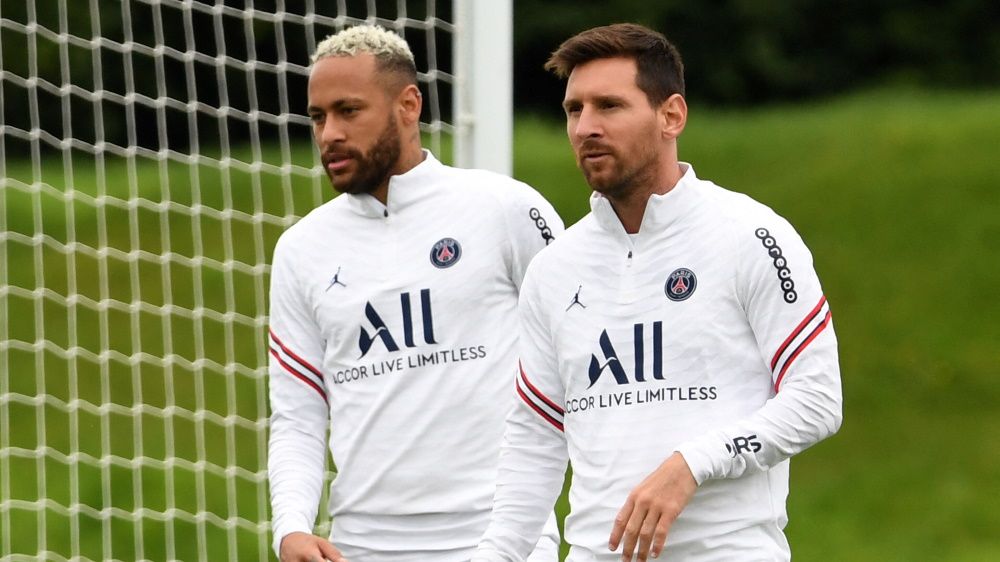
{"x": 498, "y": 188}
{"x": 520, "y": 206}
{"x": 734, "y": 207}
{"x": 768, "y": 251}
{"x": 565, "y": 250}
{"x": 313, "y": 227}
{"x": 749, "y": 221}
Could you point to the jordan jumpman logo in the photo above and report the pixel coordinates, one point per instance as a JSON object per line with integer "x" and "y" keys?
{"x": 335, "y": 280}
{"x": 576, "y": 299}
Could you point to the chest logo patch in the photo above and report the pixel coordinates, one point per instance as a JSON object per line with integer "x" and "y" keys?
{"x": 445, "y": 253}
{"x": 680, "y": 284}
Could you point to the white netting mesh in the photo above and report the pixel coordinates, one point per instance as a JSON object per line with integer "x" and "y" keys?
{"x": 151, "y": 152}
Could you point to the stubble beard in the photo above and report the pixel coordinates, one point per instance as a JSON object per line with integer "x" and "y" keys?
{"x": 375, "y": 166}
{"x": 621, "y": 181}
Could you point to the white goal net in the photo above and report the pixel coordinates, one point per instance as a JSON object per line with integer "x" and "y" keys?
{"x": 151, "y": 152}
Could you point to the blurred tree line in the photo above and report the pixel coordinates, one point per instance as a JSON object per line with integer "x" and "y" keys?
{"x": 743, "y": 52}
{"x": 736, "y": 52}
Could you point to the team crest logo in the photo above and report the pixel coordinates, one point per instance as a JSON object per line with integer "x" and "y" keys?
{"x": 445, "y": 253}
{"x": 680, "y": 284}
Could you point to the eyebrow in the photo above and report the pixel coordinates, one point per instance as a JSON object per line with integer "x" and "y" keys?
{"x": 336, "y": 105}
{"x": 611, "y": 98}
{"x": 597, "y": 99}
{"x": 570, "y": 101}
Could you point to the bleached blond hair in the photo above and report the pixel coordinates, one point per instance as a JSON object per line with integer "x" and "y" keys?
{"x": 391, "y": 51}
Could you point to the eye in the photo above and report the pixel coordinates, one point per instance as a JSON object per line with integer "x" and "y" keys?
{"x": 572, "y": 109}
{"x": 349, "y": 110}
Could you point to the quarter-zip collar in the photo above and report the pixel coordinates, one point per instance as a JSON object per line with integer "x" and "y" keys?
{"x": 404, "y": 190}
{"x": 662, "y": 211}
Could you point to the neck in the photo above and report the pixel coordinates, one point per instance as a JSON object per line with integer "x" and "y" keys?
{"x": 630, "y": 203}
{"x": 411, "y": 156}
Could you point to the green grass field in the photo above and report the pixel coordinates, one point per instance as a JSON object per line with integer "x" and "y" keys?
{"x": 897, "y": 194}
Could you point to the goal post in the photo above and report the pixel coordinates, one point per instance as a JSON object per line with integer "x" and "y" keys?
{"x": 151, "y": 153}
{"x": 484, "y": 106}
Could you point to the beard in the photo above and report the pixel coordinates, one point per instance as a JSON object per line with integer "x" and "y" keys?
{"x": 374, "y": 166}
{"x": 623, "y": 175}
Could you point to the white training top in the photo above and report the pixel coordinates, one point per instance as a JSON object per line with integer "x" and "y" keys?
{"x": 395, "y": 328}
{"x": 706, "y": 333}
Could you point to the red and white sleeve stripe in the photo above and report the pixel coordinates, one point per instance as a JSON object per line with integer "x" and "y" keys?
{"x": 538, "y": 402}
{"x": 815, "y": 322}
{"x": 296, "y": 366}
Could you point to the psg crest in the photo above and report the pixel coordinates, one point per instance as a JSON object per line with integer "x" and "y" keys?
{"x": 680, "y": 284}
{"x": 445, "y": 253}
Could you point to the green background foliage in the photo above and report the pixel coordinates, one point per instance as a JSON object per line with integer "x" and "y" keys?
{"x": 736, "y": 52}
{"x": 745, "y": 52}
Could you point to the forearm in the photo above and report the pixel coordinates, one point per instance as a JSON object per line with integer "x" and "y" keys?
{"x": 532, "y": 468}
{"x": 805, "y": 411}
{"x": 547, "y": 547}
{"x": 296, "y": 462}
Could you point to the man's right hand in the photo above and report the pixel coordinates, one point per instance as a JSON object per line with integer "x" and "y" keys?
{"x": 303, "y": 547}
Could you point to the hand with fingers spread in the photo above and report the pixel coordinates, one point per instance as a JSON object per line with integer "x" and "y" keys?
{"x": 651, "y": 508}
{"x": 303, "y": 547}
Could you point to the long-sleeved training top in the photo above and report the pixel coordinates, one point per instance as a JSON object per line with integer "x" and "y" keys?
{"x": 706, "y": 333}
{"x": 394, "y": 328}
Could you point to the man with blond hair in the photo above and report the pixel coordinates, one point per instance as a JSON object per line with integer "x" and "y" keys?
{"x": 392, "y": 326}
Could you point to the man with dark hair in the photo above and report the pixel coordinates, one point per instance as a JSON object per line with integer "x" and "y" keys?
{"x": 701, "y": 358}
{"x": 393, "y": 326}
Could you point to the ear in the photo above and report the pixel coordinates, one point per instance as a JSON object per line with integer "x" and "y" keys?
{"x": 672, "y": 116}
{"x": 408, "y": 104}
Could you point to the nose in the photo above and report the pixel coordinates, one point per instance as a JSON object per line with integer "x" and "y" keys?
{"x": 585, "y": 124}
{"x": 329, "y": 132}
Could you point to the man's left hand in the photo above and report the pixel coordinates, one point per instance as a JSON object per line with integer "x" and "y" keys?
{"x": 652, "y": 508}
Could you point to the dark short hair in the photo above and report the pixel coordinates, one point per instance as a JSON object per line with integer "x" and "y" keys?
{"x": 660, "y": 71}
